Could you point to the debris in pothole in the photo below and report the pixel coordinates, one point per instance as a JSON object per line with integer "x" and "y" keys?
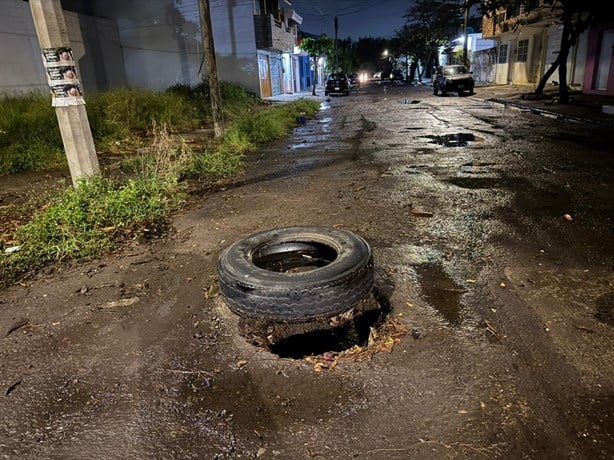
{"x": 380, "y": 340}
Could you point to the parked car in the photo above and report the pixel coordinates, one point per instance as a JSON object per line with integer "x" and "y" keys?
{"x": 337, "y": 83}
{"x": 354, "y": 80}
{"x": 397, "y": 74}
{"x": 454, "y": 79}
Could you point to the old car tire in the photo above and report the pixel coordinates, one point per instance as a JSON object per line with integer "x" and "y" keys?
{"x": 295, "y": 274}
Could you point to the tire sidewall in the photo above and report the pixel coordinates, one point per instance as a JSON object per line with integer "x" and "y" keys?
{"x": 237, "y": 260}
{"x": 325, "y": 291}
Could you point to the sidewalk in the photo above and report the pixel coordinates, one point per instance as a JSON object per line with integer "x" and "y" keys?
{"x": 583, "y": 107}
{"x": 586, "y": 108}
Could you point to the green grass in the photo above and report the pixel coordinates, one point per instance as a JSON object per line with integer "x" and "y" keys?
{"x": 29, "y": 135}
{"x": 30, "y": 139}
{"x": 100, "y": 213}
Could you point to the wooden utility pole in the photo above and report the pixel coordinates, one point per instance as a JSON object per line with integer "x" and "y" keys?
{"x": 214, "y": 84}
{"x": 66, "y": 89}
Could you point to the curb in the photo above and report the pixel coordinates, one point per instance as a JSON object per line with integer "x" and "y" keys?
{"x": 545, "y": 112}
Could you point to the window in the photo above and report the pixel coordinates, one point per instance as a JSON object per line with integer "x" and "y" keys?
{"x": 503, "y": 54}
{"x": 523, "y": 51}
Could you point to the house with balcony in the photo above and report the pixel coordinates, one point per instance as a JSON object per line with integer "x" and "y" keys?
{"x": 157, "y": 43}
{"x": 276, "y": 29}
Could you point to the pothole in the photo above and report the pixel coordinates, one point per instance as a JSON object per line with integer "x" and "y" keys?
{"x": 356, "y": 328}
{"x": 441, "y": 292}
{"x": 303, "y": 291}
{"x": 454, "y": 140}
{"x": 409, "y": 101}
{"x": 475, "y": 183}
{"x": 416, "y": 169}
{"x": 476, "y": 167}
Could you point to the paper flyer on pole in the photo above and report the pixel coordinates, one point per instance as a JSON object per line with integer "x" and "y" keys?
{"x": 62, "y": 77}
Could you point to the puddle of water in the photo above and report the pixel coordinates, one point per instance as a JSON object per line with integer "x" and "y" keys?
{"x": 454, "y": 140}
{"x": 301, "y": 145}
{"x": 441, "y": 292}
{"x": 475, "y": 182}
{"x": 293, "y": 257}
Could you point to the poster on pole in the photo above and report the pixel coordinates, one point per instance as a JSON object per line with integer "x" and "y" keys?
{"x": 62, "y": 77}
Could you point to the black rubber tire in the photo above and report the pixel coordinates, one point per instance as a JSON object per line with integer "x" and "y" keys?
{"x": 344, "y": 277}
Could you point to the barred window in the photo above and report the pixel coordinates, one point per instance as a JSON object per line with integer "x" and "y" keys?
{"x": 523, "y": 50}
{"x": 502, "y": 54}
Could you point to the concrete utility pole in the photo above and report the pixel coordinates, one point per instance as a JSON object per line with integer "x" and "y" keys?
{"x": 214, "y": 84}
{"x": 64, "y": 83}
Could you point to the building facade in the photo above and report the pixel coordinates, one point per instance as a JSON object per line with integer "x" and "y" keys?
{"x": 528, "y": 40}
{"x": 155, "y": 44}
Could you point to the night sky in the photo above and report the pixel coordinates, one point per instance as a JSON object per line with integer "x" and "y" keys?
{"x": 357, "y": 18}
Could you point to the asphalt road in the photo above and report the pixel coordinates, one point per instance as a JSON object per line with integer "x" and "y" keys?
{"x": 492, "y": 235}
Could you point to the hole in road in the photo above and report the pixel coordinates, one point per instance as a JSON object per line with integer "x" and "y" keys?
{"x": 454, "y": 140}
{"x": 366, "y": 325}
{"x": 475, "y": 182}
{"x": 441, "y": 292}
{"x": 293, "y": 256}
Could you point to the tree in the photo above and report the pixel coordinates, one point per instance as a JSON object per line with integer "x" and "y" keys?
{"x": 576, "y": 16}
{"x": 369, "y": 51}
{"x": 346, "y": 57}
{"x": 317, "y": 47}
{"x": 430, "y": 24}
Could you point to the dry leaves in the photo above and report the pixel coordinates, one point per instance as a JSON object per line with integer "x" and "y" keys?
{"x": 380, "y": 340}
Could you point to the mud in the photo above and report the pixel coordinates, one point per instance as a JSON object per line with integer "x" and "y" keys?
{"x": 506, "y": 303}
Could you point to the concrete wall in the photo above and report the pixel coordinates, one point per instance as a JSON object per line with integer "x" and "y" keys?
{"x": 160, "y": 39}
{"x": 162, "y": 45}
{"x": 235, "y": 42}
{"x": 21, "y": 68}
{"x": 151, "y": 44}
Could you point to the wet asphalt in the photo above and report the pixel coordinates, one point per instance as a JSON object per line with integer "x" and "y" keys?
{"x": 491, "y": 230}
